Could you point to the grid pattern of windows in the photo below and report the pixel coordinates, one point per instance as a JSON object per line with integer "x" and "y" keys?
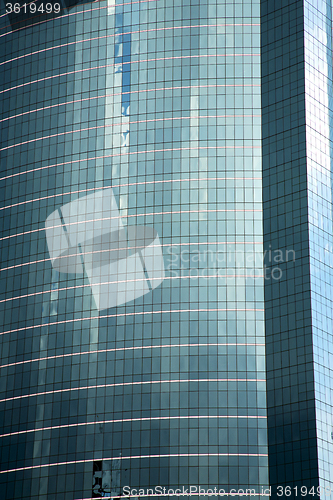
{"x": 297, "y": 205}
{"x": 132, "y": 304}
{"x": 290, "y": 384}
{"x": 319, "y": 115}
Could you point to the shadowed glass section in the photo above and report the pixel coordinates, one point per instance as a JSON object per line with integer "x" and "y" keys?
{"x": 292, "y": 438}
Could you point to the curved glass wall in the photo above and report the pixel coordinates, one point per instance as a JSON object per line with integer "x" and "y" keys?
{"x": 131, "y": 277}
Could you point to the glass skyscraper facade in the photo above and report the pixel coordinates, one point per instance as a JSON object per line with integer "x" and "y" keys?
{"x": 297, "y": 212}
{"x": 151, "y": 153}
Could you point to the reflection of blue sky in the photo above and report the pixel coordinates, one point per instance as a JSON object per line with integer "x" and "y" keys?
{"x": 122, "y": 61}
{"x": 318, "y": 72}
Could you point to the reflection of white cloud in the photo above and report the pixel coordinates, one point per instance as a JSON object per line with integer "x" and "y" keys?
{"x": 121, "y": 264}
{"x": 111, "y": 7}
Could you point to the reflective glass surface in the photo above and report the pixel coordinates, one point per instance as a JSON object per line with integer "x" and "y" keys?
{"x": 297, "y": 211}
{"x": 132, "y": 292}
{"x": 319, "y": 119}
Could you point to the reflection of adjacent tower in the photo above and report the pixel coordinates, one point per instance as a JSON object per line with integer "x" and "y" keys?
{"x": 117, "y": 101}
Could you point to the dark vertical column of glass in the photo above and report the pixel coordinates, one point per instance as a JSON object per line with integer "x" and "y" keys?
{"x": 290, "y": 375}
